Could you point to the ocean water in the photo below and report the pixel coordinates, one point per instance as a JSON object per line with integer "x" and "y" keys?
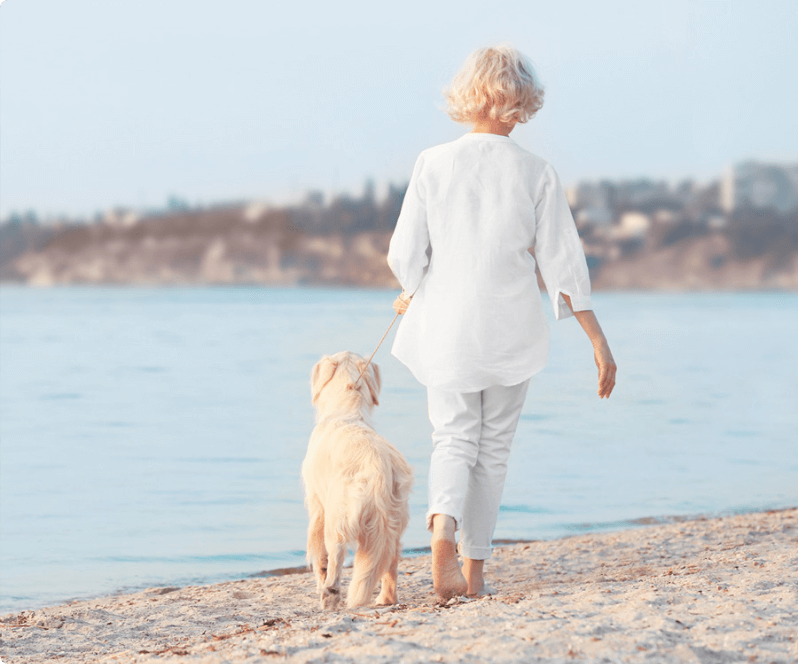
{"x": 155, "y": 436}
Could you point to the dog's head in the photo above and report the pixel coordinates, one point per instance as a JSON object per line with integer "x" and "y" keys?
{"x": 334, "y": 377}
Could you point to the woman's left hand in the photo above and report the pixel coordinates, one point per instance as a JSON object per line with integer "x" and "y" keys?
{"x": 606, "y": 368}
{"x": 601, "y": 349}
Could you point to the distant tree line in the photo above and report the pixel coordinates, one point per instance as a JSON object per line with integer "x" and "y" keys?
{"x": 348, "y": 215}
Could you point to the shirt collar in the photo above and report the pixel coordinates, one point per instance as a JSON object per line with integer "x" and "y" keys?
{"x": 472, "y": 136}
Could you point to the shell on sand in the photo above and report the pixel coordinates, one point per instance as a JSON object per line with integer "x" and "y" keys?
{"x": 704, "y": 590}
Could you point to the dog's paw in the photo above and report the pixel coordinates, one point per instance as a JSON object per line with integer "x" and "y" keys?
{"x": 330, "y": 597}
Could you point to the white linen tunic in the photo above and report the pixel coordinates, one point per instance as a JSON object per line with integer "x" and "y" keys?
{"x": 472, "y": 210}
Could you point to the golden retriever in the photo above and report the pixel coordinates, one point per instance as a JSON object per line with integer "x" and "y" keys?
{"x": 356, "y": 485}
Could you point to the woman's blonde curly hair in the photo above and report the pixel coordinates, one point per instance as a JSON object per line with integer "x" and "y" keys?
{"x": 497, "y": 82}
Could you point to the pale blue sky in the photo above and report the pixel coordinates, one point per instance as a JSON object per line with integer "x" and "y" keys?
{"x": 111, "y": 102}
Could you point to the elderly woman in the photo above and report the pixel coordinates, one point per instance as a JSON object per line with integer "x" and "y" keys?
{"x": 474, "y": 331}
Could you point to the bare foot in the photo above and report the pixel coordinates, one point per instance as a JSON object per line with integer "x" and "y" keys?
{"x": 485, "y": 591}
{"x": 473, "y": 571}
{"x": 447, "y": 579}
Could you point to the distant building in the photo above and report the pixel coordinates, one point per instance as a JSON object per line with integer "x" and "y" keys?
{"x": 590, "y": 195}
{"x": 758, "y": 185}
{"x": 603, "y": 202}
{"x": 634, "y": 224}
{"x": 254, "y": 211}
{"x": 594, "y": 215}
{"x": 120, "y": 217}
{"x": 592, "y": 203}
{"x": 642, "y": 192}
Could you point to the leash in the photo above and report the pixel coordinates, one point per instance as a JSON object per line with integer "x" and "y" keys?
{"x": 376, "y": 349}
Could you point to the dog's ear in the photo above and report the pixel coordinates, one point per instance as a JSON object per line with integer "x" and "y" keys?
{"x": 374, "y": 383}
{"x": 321, "y": 375}
{"x": 377, "y": 377}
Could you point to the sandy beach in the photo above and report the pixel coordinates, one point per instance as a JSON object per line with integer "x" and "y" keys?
{"x": 702, "y": 590}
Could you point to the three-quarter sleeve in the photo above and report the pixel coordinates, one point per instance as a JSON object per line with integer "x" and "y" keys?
{"x": 558, "y": 248}
{"x": 409, "y": 250}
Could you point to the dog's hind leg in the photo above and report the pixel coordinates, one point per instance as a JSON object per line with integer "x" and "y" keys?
{"x": 388, "y": 582}
{"x": 317, "y": 552}
{"x": 330, "y": 592}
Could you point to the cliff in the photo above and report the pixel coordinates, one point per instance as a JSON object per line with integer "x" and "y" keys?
{"x": 703, "y": 263}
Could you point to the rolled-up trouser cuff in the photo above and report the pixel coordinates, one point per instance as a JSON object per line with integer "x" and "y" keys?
{"x": 442, "y": 510}
{"x": 476, "y": 552}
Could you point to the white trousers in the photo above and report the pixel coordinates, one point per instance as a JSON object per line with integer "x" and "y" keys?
{"x": 472, "y": 435}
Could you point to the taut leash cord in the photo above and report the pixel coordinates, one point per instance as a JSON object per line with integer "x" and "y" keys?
{"x": 376, "y": 349}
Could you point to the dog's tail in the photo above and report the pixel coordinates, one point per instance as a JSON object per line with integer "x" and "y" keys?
{"x": 383, "y": 516}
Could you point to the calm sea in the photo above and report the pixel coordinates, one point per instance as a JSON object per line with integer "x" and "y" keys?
{"x": 155, "y": 436}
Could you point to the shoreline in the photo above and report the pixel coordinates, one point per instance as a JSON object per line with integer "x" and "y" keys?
{"x": 705, "y": 589}
{"x": 409, "y": 553}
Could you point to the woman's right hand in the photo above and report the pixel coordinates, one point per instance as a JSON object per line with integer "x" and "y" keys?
{"x": 401, "y": 303}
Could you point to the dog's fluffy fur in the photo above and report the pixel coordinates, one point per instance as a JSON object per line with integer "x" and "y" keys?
{"x": 356, "y": 485}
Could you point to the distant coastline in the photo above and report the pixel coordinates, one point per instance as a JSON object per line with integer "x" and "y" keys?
{"x": 637, "y": 235}
{"x": 222, "y": 248}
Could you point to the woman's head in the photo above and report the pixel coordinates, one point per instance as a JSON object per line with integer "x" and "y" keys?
{"x": 496, "y": 83}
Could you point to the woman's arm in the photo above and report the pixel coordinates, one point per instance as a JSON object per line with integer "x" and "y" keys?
{"x": 558, "y": 249}
{"x": 601, "y": 349}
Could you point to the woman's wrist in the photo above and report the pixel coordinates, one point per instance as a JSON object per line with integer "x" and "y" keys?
{"x": 600, "y": 342}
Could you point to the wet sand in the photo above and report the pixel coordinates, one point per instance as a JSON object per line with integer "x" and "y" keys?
{"x": 705, "y": 590}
